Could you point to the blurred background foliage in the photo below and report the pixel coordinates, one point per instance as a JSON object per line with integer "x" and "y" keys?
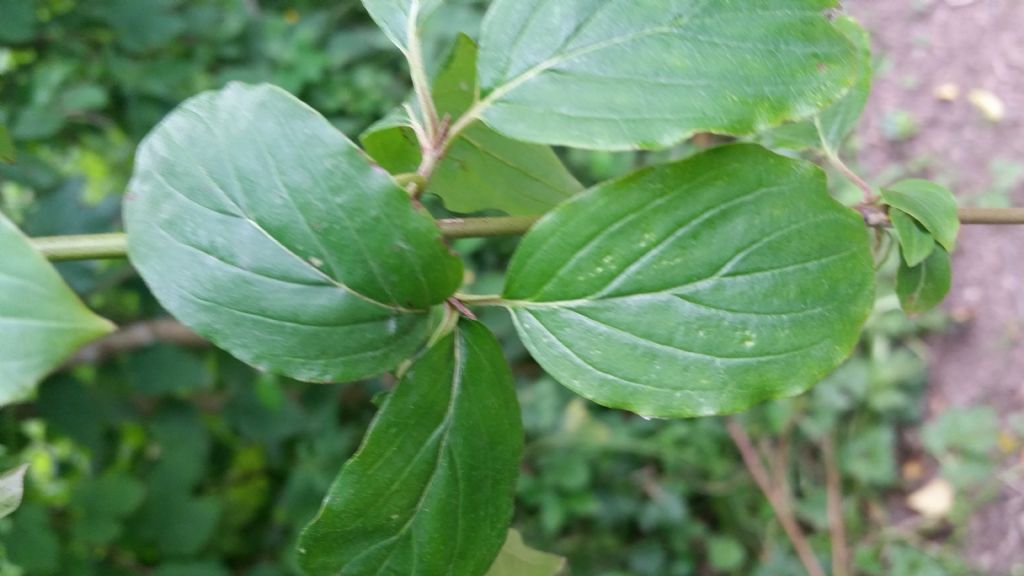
{"x": 180, "y": 461}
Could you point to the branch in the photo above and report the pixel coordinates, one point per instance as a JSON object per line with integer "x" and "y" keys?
{"x": 133, "y": 337}
{"x": 836, "y": 524}
{"x": 777, "y": 498}
{"x": 107, "y": 246}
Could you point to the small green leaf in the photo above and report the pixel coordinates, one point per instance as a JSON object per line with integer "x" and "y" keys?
{"x": 696, "y": 288}
{"x": 7, "y": 152}
{"x": 262, "y": 228}
{"x": 12, "y": 488}
{"x": 625, "y": 74}
{"x": 401, "y": 19}
{"x": 430, "y": 490}
{"x": 482, "y": 170}
{"x": 42, "y": 322}
{"x": 916, "y": 242}
{"x": 932, "y": 205}
{"x": 518, "y": 559}
{"x": 926, "y": 285}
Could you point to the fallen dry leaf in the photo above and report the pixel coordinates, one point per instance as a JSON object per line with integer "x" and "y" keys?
{"x": 990, "y": 105}
{"x": 934, "y": 500}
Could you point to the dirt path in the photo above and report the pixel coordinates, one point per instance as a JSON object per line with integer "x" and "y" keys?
{"x": 971, "y": 45}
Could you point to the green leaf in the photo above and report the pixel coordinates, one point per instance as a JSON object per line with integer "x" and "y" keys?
{"x": 430, "y": 490}
{"x": 518, "y": 559}
{"x": 19, "y": 21}
{"x": 401, "y": 19}
{"x": 7, "y": 152}
{"x": 265, "y": 230}
{"x": 926, "y": 285}
{"x": 482, "y": 170}
{"x": 837, "y": 122}
{"x": 42, "y": 322}
{"x": 12, "y": 488}
{"x": 834, "y": 124}
{"x": 932, "y": 205}
{"x": 696, "y": 288}
{"x": 622, "y": 74}
{"x": 916, "y": 242}
{"x": 101, "y": 505}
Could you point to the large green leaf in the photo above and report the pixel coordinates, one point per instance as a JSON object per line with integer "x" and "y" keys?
{"x": 430, "y": 490}
{"x": 482, "y": 170}
{"x": 697, "y": 288}
{"x": 12, "y": 487}
{"x": 916, "y": 243}
{"x": 620, "y": 74}
{"x": 518, "y": 559}
{"x": 42, "y": 321}
{"x": 926, "y": 285}
{"x": 265, "y": 230}
{"x": 932, "y": 205}
{"x": 401, "y": 19}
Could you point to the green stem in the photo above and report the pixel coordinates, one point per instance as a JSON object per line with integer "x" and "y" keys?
{"x": 91, "y": 247}
{"x": 107, "y": 246}
{"x": 478, "y": 300}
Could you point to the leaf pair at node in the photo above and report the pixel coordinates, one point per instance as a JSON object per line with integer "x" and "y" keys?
{"x": 924, "y": 219}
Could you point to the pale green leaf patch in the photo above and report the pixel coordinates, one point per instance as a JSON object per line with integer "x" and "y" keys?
{"x": 42, "y": 321}
{"x": 12, "y": 489}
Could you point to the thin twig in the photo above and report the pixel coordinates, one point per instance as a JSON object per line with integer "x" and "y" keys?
{"x": 836, "y": 523}
{"x": 778, "y": 501}
{"x": 135, "y": 336}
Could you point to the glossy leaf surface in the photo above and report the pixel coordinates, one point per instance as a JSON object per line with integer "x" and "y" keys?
{"x": 697, "y": 288}
{"x": 482, "y": 170}
{"x": 42, "y": 322}
{"x": 430, "y": 490}
{"x": 932, "y": 205}
{"x": 623, "y": 74}
{"x": 265, "y": 230}
{"x": 916, "y": 243}
{"x": 926, "y": 285}
{"x": 12, "y": 488}
{"x": 518, "y": 559}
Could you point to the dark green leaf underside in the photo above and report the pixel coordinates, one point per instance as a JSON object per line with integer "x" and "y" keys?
{"x": 42, "y": 321}
{"x": 430, "y": 490}
{"x": 697, "y": 288}
{"x": 622, "y": 74}
{"x": 926, "y": 285}
{"x": 264, "y": 229}
{"x": 916, "y": 243}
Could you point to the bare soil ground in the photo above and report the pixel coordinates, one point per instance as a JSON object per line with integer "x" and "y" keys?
{"x": 977, "y": 44}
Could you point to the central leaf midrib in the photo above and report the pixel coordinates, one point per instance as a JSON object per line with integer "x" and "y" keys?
{"x": 446, "y": 425}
